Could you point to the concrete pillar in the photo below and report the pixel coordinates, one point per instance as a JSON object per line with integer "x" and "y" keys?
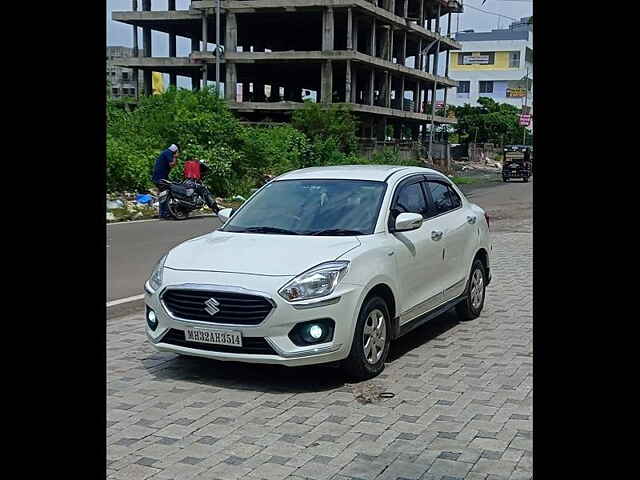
{"x": 406, "y": 8}
{"x": 372, "y": 39}
{"x": 391, "y": 44}
{"x": 355, "y": 33}
{"x": 328, "y": 29}
{"x": 230, "y": 82}
{"x": 205, "y": 41}
{"x": 371, "y": 86}
{"x": 348, "y": 86}
{"x": 354, "y": 86}
{"x": 388, "y": 96}
{"x": 419, "y": 57}
{"x": 403, "y": 49}
{"x": 402, "y": 93}
{"x": 173, "y": 78}
{"x": 421, "y": 12}
{"x": 136, "y": 53}
{"x": 384, "y": 44}
{"x": 392, "y": 6}
{"x": 231, "y": 34}
{"x": 416, "y": 97}
{"x": 326, "y": 82}
{"x": 349, "y": 29}
{"x": 147, "y": 52}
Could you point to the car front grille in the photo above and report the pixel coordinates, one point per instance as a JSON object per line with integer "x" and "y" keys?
{"x": 234, "y": 308}
{"x": 250, "y": 345}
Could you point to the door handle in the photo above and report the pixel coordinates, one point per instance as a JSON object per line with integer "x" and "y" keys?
{"x": 471, "y": 219}
{"x": 436, "y": 235}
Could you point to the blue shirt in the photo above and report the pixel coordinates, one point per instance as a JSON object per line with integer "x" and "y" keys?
{"x": 161, "y": 168}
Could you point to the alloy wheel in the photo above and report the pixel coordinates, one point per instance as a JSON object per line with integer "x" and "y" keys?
{"x": 374, "y": 336}
{"x": 477, "y": 289}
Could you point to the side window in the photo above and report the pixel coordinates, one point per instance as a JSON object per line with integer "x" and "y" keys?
{"x": 442, "y": 200}
{"x": 411, "y": 199}
{"x": 456, "y": 201}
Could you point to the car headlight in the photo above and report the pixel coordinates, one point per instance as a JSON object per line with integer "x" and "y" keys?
{"x": 317, "y": 282}
{"x": 155, "y": 280}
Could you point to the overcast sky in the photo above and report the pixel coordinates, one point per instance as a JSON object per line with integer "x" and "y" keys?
{"x": 122, "y": 35}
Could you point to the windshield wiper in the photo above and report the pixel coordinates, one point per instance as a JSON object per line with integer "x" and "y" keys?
{"x": 337, "y": 231}
{"x": 276, "y": 230}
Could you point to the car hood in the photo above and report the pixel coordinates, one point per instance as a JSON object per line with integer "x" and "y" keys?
{"x": 257, "y": 254}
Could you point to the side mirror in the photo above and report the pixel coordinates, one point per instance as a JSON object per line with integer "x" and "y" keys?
{"x": 224, "y": 214}
{"x": 408, "y": 221}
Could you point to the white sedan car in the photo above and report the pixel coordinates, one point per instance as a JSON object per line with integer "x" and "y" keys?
{"x": 323, "y": 265}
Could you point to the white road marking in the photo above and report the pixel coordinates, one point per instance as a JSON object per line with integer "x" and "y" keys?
{"x": 113, "y": 303}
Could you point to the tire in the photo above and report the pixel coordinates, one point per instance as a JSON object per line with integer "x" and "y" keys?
{"x": 525, "y": 179}
{"x": 176, "y": 212}
{"x": 357, "y": 365}
{"x": 470, "y": 308}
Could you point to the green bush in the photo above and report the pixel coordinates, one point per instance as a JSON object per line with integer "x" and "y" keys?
{"x": 239, "y": 157}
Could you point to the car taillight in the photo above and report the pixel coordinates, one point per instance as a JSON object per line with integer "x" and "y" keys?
{"x": 486, "y": 216}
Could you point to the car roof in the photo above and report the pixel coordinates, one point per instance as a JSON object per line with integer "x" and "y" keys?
{"x": 378, "y": 173}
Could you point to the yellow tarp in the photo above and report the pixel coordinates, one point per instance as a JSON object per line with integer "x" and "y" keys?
{"x": 158, "y": 83}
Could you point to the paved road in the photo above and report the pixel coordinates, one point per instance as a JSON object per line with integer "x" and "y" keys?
{"x": 462, "y": 407}
{"x": 134, "y": 248}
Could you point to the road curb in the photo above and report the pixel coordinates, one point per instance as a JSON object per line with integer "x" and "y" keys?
{"x": 157, "y": 219}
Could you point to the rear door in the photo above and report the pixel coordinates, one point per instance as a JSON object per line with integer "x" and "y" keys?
{"x": 448, "y": 214}
{"x": 417, "y": 255}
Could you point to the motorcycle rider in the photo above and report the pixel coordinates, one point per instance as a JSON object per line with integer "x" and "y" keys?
{"x": 164, "y": 163}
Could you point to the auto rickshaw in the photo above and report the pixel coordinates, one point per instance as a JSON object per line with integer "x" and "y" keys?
{"x": 517, "y": 162}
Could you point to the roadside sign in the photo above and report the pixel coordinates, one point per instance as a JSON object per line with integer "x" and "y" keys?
{"x": 516, "y": 92}
{"x": 525, "y": 120}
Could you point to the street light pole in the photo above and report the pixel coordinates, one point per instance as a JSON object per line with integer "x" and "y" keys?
{"x": 526, "y": 97}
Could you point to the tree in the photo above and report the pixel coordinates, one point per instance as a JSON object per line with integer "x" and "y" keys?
{"x": 490, "y": 122}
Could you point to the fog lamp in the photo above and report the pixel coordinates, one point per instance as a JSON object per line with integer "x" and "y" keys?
{"x": 152, "y": 321}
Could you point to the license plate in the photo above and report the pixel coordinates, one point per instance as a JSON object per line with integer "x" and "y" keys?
{"x": 214, "y": 337}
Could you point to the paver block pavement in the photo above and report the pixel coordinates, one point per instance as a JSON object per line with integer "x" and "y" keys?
{"x": 462, "y": 407}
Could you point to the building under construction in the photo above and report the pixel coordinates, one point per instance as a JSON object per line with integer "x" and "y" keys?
{"x": 380, "y": 57}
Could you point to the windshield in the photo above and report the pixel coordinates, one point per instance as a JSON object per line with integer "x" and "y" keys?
{"x": 311, "y": 207}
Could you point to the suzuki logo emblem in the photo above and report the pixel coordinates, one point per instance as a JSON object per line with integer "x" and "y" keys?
{"x": 211, "y": 306}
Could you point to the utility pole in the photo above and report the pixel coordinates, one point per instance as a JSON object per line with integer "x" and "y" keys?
{"x": 218, "y": 47}
{"x": 435, "y": 85}
{"x": 526, "y": 97}
{"x": 136, "y": 51}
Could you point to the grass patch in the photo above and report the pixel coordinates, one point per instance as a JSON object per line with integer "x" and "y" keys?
{"x": 466, "y": 180}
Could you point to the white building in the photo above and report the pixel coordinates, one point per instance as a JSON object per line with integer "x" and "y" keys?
{"x": 493, "y": 64}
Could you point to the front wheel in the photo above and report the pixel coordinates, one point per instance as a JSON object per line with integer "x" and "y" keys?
{"x": 371, "y": 341}
{"x": 473, "y": 303}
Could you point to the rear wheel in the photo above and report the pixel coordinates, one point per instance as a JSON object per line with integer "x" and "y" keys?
{"x": 371, "y": 341}
{"x": 175, "y": 210}
{"x": 472, "y": 305}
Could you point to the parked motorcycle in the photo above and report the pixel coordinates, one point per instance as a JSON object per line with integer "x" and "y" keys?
{"x": 191, "y": 194}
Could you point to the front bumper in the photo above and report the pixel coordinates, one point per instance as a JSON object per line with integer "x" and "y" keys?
{"x": 342, "y": 307}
